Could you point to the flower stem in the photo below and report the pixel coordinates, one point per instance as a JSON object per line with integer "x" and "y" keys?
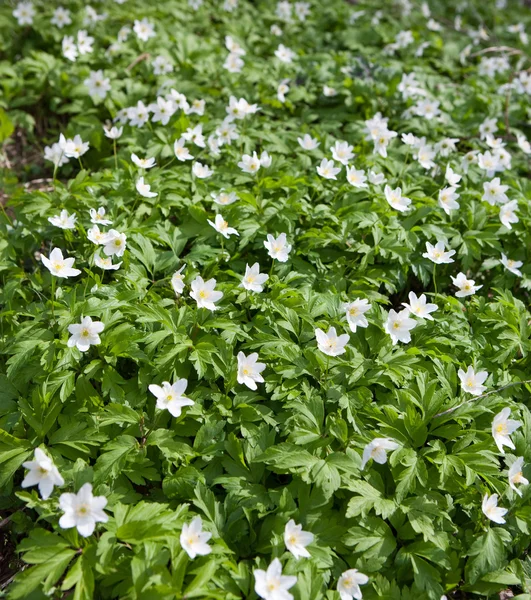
{"x": 115, "y": 157}
{"x": 435, "y": 277}
{"x": 53, "y": 300}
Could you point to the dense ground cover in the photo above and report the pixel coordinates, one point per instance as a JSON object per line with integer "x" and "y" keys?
{"x": 265, "y": 326}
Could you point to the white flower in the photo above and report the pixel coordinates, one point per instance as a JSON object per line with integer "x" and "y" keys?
{"x": 227, "y": 132}
{"x": 452, "y": 177}
{"x": 64, "y": 220}
{"x": 114, "y": 243}
{"x": 143, "y": 29}
{"x": 249, "y": 370}
{"x": 265, "y": 159}
{"x": 469, "y": 159}
{"x": 419, "y": 307}
{"x": 508, "y": 213}
{"x": 84, "y": 42}
{"x": 181, "y": 152}
{"x": 284, "y": 54}
{"x": 69, "y": 48}
{"x": 106, "y": 263}
{"x": 170, "y": 396}
{"x": 349, "y": 583}
{"x": 278, "y": 248}
{"x": 490, "y": 509}
{"x": 494, "y": 192}
{"x": 42, "y": 473}
{"x": 512, "y": 265}
{"x": 82, "y": 510}
{"x": 73, "y": 148}
{"x": 162, "y": 110}
{"x": 85, "y": 334}
{"x": 329, "y": 92}
{"x": 356, "y": 178}
{"x": 490, "y": 163}
{"x": 296, "y": 539}
{"x": 466, "y": 286}
{"x": 382, "y": 140}
{"x": 342, "y": 152}
{"x": 271, "y": 584}
{"x": 377, "y": 450}
{"x": 253, "y": 280}
{"x": 250, "y": 164}
{"x": 502, "y": 427}
{"x": 204, "y": 294}
{"x": 59, "y": 266}
{"x": 282, "y": 90}
{"x": 138, "y": 115}
{"x": 488, "y": 127}
{"x": 195, "y": 135}
{"x": 194, "y": 540}
{"x": 233, "y": 63}
{"x": 398, "y": 326}
{"x": 113, "y": 133}
{"x": 330, "y": 343}
{"x": 201, "y": 171}
{"x": 144, "y": 189}
{"x": 328, "y": 169}
{"x": 221, "y": 226}
{"x": 96, "y": 236}
{"x": 429, "y": 109}
{"x": 233, "y": 46}
{"x": 224, "y": 198}
{"x": 239, "y": 109}
{"x": 472, "y": 382}
{"x": 98, "y": 216}
{"x": 177, "y": 281}
{"x": 143, "y": 163}
{"x": 376, "y": 178}
{"x": 438, "y": 254}
{"x": 161, "y": 65}
{"x": 55, "y": 154}
{"x": 98, "y": 85}
{"x": 446, "y": 146}
{"x": 515, "y": 475}
{"x": 448, "y": 199}
{"x": 396, "y": 200}
{"x": 425, "y": 155}
{"x": 307, "y": 142}
{"x": 523, "y": 144}
{"x": 355, "y": 313}
{"x": 24, "y": 13}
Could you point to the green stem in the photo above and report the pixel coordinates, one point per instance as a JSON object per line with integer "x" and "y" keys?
{"x": 5, "y": 214}
{"x": 53, "y": 299}
{"x": 115, "y": 157}
{"x": 435, "y": 277}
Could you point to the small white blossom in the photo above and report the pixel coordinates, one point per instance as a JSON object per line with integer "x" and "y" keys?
{"x": 472, "y": 382}
{"x": 377, "y": 450}
{"x": 194, "y": 540}
{"x": 491, "y": 510}
{"x": 466, "y": 286}
{"x": 171, "y": 397}
{"x": 205, "y": 294}
{"x": 503, "y": 427}
{"x": 82, "y": 510}
{"x": 330, "y": 343}
{"x": 296, "y": 539}
{"x": 42, "y": 473}
{"x": 249, "y": 370}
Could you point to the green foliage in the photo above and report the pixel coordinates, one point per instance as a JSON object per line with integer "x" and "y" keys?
{"x": 247, "y": 461}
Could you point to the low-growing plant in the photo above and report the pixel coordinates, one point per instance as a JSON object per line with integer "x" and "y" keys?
{"x": 265, "y": 327}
